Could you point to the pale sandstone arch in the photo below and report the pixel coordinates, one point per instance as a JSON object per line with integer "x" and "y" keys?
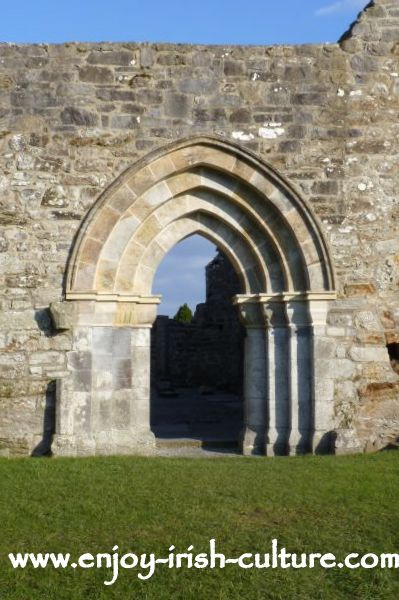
{"x": 276, "y": 245}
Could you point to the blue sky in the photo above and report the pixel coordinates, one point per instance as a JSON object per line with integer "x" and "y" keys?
{"x": 197, "y": 21}
{"x": 180, "y": 277}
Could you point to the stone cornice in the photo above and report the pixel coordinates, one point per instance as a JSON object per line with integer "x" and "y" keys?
{"x": 99, "y": 297}
{"x": 284, "y": 297}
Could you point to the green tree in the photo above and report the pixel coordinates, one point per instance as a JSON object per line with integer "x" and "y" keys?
{"x": 184, "y": 314}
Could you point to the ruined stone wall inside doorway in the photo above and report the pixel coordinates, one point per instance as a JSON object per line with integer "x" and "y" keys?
{"x": 74, "y": 116}
{"x": 206, "y": 353}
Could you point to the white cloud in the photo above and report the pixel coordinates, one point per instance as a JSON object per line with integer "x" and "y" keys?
{"x": 341, "y": 6}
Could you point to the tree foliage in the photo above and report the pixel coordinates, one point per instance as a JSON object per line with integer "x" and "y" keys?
{"x": 184, "y": 314}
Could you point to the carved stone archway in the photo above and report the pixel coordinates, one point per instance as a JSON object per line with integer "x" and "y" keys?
{"x": 273, "y": 240}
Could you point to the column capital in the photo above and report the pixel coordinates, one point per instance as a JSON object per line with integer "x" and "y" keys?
{"x": 298, "y": 313}
{"x": 275, "y": 313}
{"x": 298, "y": 309}
{"x": 109, "y": 310}
{"x": 251, "y": 315}
{"x": 261, "y": 310}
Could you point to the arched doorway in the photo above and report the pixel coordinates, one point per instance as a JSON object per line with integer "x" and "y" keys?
{"x": 197, "y": 345}
{"x": 273, "y": 240}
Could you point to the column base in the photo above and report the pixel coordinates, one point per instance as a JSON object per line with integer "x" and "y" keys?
{"x": 252, "y": 443}
{"x": 300, "y": 442}
{"x": 276, "y": 442}
{"x": 108, "y": 443}
{"x": 297, "y": 450}
{"x": 276, "y": 449}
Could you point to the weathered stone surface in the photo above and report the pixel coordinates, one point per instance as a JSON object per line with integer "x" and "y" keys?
{"x": 359, "y": 289}
{"x": 368, "y": 354}
{"x": 74, "y": 117}
{"x": 96, "y": 75}
{"x": 62, "y": 314}
{"x": 78, "y": 116}
{"x": 378, "y": 391}
{"x": 111, "y": 57}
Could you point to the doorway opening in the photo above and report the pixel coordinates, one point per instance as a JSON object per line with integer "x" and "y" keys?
{"x": 197, "y": 349}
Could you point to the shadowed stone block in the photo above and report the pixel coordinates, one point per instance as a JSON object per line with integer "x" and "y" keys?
{"x": 80, "y": 360}
{"x": 82, "y": 381}
{"x": 121, "y": 374}
{"x": 62, "y": 314}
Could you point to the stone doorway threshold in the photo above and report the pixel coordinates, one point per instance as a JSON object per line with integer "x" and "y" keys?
{"x": 189, "y": 448}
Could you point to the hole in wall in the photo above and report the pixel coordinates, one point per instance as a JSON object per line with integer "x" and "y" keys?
{"x": 393, "y": 352}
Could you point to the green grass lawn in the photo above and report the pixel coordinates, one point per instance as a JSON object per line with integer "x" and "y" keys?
{"x": 311, "y": 504}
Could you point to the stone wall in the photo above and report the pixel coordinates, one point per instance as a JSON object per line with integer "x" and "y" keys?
{"x": 74, "y": 116}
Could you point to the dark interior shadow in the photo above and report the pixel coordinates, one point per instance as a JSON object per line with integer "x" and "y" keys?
{"x": 43, "y": 448}
{"x": 392, "y": 445}
{"x": 222, "y": 447}
{"x": 327, "y": 443}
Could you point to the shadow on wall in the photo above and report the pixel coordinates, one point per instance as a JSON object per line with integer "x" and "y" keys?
{"x": 45, "y": 323}
{"x": 43, "y": 448}
{"x": 326, "y": 444}
{"x": 394, "y": 445}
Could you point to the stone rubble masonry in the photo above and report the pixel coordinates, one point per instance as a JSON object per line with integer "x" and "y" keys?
{"x": 74, "y": 116}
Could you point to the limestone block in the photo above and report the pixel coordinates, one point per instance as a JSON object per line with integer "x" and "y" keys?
{"x": 347, "y": 442}
{"x": 92, "y": 74}
{"x": 354, "y": 290}
{"x": 105, "y": 275}
{"x": 90, "y": 251}
{"x": 122, "y": 233}
{"x": 121, "y": 374}
{"x": 84, "y": 276}
{"x": 147, "y": 56}
{"x": 367, "y": 320}
{"x": 147, "y": 231}
{"x": 112, "y": 57}
{"x": 339, "y": 368}
{"x": 72, "y": 115}
{"x": 102, "y": 340}
{"x": 47, "y": 358}
{"x": 324, "y": 347}
{"x": 79, "y": 360}
{"x": 82, "y": 380}
{"x": 122, "y": 199}
{"x": 368, "y": 354}
{"x": 103, "y": 224}
{"x": 102, "y": 378}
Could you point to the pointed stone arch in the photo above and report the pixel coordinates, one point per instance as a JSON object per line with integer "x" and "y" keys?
{"x": 275, "y": 243}
{"x": 251, "y": 204}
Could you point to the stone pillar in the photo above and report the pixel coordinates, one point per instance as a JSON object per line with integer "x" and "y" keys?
{"x": 278, "y": 374}
{"x": 253, "y": 434}
{"x": 140, "y": 396}
{"x": 323, "y": 375}
{"x": 289, "y": 403}
{"x": 301, "y": 376}
{"x": 103, "y": 407}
